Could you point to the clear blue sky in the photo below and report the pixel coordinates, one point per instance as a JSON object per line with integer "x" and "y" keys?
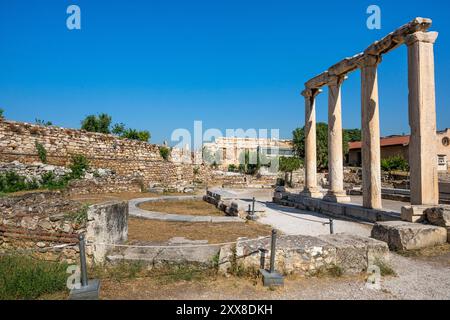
{"x": 160, "y": 65}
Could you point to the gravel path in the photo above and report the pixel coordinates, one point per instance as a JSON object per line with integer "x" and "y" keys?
{"x": 416, "y": 280}
{"x": 293, "y": 221}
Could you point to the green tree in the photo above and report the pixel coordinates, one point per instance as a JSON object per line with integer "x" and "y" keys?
{"x": 2, "y": 114}
{"x": 322, "y": 142}
{"x": 118, "y": 129}
{"x": 100, "y": 123}
{"x": 289, "y": 165}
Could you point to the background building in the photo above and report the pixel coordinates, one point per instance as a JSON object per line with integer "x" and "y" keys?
{"x": 399, "y": 146}
{"x": 231, "y": 150}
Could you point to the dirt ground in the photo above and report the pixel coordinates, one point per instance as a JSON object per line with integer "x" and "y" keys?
{"x": 185, "y": 207}
{"x": 160, "y": 231}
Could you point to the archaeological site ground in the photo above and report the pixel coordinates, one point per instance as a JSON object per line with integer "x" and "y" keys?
{"x": 102, "y": 212}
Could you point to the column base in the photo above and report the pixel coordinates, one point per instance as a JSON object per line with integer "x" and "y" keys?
{"x": 312, "y": 193}
{"x": 339, "y": 197}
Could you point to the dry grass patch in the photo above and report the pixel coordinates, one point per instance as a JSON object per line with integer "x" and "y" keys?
{"x": 185, "y": 207}
{"x": 161, "y": 231}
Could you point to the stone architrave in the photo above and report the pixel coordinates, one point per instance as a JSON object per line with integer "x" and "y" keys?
{"x": 370, "y": 124}
{"x": 335, "y": 150}
{"x": 311, "y": 189}
{"x": 422, "y": 119}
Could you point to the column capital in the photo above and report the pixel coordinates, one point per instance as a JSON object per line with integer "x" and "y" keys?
{"x": 368, "y": 60}
{"x": 420, "y": 36}
{"x": 337, "y": 80}
{"x": 311, "y": 92}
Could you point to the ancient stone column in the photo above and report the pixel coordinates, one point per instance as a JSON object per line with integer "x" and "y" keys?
{"x": 335, "y": 151}
{"x": 310, "y": 189}
{"x": 422, "y": 119}
{"x": 370, "y": 130}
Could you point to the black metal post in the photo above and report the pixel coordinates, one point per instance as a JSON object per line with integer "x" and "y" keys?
{"x": 84, "y": 277}
{"x": 249, "y": 210}
{"x": 272, "y": 250}
{"x": 253, "y": 207}
{"x": 331, "y": 226}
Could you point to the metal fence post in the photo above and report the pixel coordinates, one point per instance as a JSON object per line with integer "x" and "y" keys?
{"x": 331, "y": 226}
{"x": 253, "y": 207}
{"x": 272, "y": 250}
{"x": 88, "y": 290}
{"x": 82, "y": 245}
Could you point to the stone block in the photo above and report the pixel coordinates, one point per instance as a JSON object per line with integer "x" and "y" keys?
{"x": 401, "y": 235}
{"x": 414, "y": 213}
{"x": 439, "y": 216}
{"x": 354, "y": 254}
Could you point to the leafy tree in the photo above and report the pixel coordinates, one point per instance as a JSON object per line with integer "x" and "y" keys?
{"x": 322, "y": 142}
{"x": 288, "y": 165}
{"x": 1, "y": 114}
{"x": 100, "y": 123}
{"x": 118, "y": 129}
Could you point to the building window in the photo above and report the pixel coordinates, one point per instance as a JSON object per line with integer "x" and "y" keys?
{"x": 441, "y": 160}
{"x": 446, "y": 141}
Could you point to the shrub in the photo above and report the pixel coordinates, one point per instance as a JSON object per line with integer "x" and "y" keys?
{"x": 12, "y": 182}
{"x": 135, "y": 135}
{"x": 394, "y": 163}
{"x": 43, "y": 123}
{"x": 196, "y": 170}
{"x": 22, "y": 277}
{"x": 232, "y": 168}
{"x": 164, "y": 152}
{"x": 1, "y": 114}
{"x": 42, "y": 153}
{"x": 50, "y": 181}
{"x": 78, "y": 166}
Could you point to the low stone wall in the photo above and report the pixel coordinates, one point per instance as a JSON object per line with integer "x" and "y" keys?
{"x": 47, "y": 225}
{"x": 33, "y": 171}
{"x": 305, "y": 255}
{"x": 111, "y": 184}
{"x": 333, "y": 209}
{"x": 107, "y": 224}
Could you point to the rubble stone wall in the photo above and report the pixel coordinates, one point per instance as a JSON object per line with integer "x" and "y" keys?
{"x": 124, "y": 156}
{"x": 46, "y": 225}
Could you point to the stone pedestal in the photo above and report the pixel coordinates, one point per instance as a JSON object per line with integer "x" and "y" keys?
{"x": 422, "y": 119}
{"x": 311, "y": 189}
{"x": 370, "y": 124}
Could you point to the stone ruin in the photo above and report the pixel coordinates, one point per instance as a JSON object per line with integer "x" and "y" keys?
{"x": 424, "y": 193}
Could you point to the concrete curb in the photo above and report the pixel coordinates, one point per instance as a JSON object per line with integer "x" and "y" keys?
{"x": 135, "y": 211}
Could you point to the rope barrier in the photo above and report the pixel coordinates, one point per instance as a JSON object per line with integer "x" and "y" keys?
{"x": 175, "y": 246}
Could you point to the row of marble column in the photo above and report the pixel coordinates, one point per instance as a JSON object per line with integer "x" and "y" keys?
{"x": 422, "y": 120}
